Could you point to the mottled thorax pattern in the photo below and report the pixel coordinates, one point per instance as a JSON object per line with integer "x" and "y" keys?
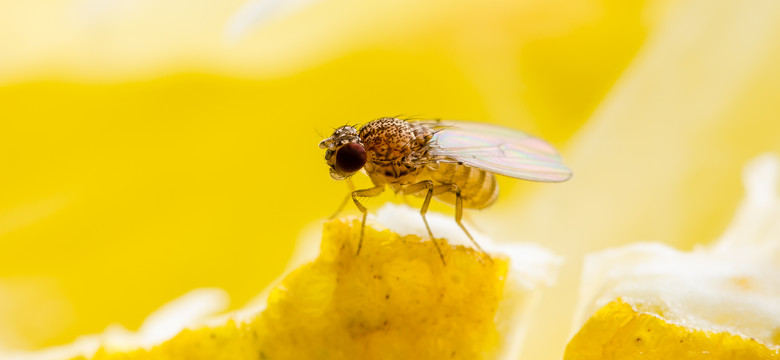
{"x": 395, "y": 149}
{"x": 387, "y": 139}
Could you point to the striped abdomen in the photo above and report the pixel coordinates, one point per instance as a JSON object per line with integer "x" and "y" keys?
{"x": 478, "y": 188}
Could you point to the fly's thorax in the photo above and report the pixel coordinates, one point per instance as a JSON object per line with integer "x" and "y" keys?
{"x": 388, "y": 139}
{"x": 396, "y": 150}
{"x": 478, "y": 188}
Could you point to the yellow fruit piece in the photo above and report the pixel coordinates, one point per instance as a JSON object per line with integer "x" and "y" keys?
{"x": 651, "y": 301}
{"x": 618, "y": 331}
{"x": 394, "y": 300}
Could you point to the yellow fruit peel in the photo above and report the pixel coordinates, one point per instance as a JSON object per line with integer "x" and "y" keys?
{"x": 396, "y": 299}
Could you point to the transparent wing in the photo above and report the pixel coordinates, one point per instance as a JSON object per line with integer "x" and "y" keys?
{"x": 497, "y": 149}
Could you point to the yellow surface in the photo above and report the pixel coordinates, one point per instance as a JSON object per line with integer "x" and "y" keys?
{"x": 618, "y": 331}
{"x": 395, "y": 300}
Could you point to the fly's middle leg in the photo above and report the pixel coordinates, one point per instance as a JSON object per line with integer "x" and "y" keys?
{"x": 432, "y": 190}
{"x": 374, "y": 191}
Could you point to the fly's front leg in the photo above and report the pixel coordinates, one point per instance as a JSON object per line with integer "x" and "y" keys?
{"x": 346, "y": 198}
{"x": 432, "y": 190}
{"x": 374, "y": 191}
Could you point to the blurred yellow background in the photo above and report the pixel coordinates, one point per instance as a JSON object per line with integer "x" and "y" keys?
{"x": 146, "y": 150}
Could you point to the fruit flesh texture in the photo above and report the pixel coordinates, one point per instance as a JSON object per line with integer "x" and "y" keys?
{"x": 619, "y": 331}
{"x": 394, "y": 300}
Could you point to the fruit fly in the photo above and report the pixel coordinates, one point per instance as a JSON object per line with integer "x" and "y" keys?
{"x": 453, "y": 161}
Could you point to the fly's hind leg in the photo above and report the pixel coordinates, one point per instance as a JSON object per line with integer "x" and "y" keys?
{"x": 374, "y": 191}
{"x": 432, "y": 190}
{"x": 459, "y": 216}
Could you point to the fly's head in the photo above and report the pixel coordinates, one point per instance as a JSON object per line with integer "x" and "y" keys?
{"x": 344, "y": 153}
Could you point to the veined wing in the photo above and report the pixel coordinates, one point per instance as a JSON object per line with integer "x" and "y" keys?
{"x": 497, "y": 149}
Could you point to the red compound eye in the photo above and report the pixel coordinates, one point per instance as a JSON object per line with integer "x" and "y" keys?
{"x": 350, "y": 158}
